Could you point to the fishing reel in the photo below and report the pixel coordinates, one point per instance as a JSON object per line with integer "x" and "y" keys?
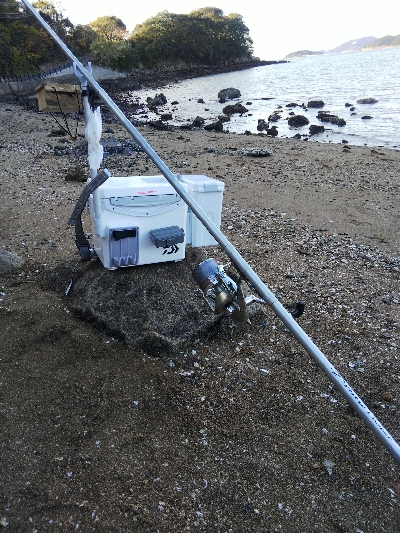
{"x": 221, "y": 293}
{"x": 226, "y": 297}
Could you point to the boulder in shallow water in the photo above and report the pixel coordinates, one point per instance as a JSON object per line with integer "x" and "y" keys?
{"x": 159, "y": 99}
{"x": 198, "y": 122}
{"x": 236, "y": 108}
{"x": 215, "y": 126}
{"x": 262, "y": 125}
{"x": 367, "y": 101}
{"x": 316, "y": 104}
{"x": 228, "y": 94}
{"x": 315, "y": 130}
{"x": 297, "y": 121}
{"x": 325, "y": 116}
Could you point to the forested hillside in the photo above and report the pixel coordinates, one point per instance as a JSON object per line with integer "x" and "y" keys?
{"x": 389, "y": 41}
{"x": 203, "y": 37}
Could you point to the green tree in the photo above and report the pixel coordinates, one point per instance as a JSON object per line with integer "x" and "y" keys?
{"x": 81, "y": 38}
{"x": 204, "y": 36}
{"x": 54, "y": 18}
{"x": 120, "y": 55}
{"x": 109, "y": 28}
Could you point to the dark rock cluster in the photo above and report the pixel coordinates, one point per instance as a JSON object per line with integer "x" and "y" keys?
{"x": 236, "y": 108}
{"x": 297, "y": 121}
{"x": 325, "y": 116}
{"x": 158, "y": 100}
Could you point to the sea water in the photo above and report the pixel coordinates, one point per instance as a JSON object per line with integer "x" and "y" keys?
{"x": 336, "y": 79}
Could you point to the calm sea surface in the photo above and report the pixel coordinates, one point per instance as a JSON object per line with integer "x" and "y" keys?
{"x": 335, "y": 79}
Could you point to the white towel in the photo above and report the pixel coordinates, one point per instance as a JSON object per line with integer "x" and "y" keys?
{"x": 93, "y": 135}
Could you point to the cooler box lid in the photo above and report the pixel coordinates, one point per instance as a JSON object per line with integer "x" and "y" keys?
{"x": 201, "y": 183}
{"x": 122, "y": 186}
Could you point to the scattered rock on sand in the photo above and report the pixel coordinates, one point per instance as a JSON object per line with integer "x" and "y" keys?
{"x": 9, "y": 262}
{"x": 274, "y": 117}
{"x": 255, "y": 152}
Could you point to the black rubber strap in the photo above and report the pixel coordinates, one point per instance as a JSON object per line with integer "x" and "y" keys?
{"x": 87, "y": 191}
{"x": 76, "y": 218}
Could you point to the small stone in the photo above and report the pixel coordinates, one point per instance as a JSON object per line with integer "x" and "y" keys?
{"x": 387, "y": 396}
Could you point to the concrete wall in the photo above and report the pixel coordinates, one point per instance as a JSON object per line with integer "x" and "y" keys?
{"x": 27, "y": 88}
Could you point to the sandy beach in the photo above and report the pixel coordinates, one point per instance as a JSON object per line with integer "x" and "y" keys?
{"x": 239, "y": 431}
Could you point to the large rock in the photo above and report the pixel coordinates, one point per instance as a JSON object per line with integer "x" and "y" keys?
{"x": 159, "y": 99}
{"x": 297, "y": 121}
{"x": 236, "y": 108}
{"x": 316, "y": 104}
{"x": 367, "y": 101}
{"x": 325, "y": 116}
{"x": 228, "y": 94}
{"x": 198, "y": 122}
{"x": 314, "y": 129}
{"x": 262, "y": 125}
{"x": 9, "y": 262}
{"x": 215, "y": 126}
{"x": 156, "y": 308}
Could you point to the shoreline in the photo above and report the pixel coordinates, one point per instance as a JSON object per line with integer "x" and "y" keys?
{"x": 140, "y": 80}
{"x": 117, "y": 81}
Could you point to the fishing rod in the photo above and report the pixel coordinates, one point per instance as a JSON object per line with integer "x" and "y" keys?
{"x": 248, "y": 273}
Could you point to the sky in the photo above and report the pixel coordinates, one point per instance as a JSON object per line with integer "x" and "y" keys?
{"x": 277, "y": 28}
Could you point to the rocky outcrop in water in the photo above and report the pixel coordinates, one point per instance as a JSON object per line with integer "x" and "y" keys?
{"x": 228, "y": 94}
{"x": 325, "y": 116}
{"x": 158, "y": 100}
{"x": 215, "y": 126}
{"x": 315, "y": 130}
{"x": 297, "y": 121}
{"x": 367, "y": 101}
{"x": 262, "y": 125}
{"x": 198, "y": 122}
{"x": 317, "y": 104}
{"x": 236, "y": 108}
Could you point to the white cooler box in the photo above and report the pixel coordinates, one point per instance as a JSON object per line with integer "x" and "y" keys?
{"x": 208, "y": 193}
{"x": 138, "y": 220}
{"x": 141, "y": 220}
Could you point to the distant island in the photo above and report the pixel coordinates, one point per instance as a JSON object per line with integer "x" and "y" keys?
{"x": 303, "y": 53}
{"x": 352, "y": 46}
{"x": 364, "y": 43}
